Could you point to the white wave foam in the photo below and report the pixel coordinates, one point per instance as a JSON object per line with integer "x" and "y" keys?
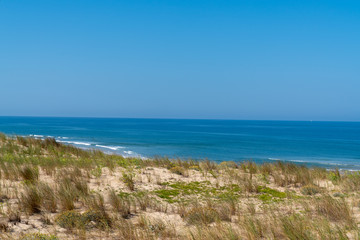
{"x": 321, "y": 162}
{"x": 303, "y": 161}
{"x": 82, "y": 143}
{"x": 36, "y": 136}
{"x": 131, "y": 154}
{"x": 62, "y": 137}
{"x": 76, "y": 143}
{"x": 300, "y": 161}
{"x": 126, "y": 154}
{"x": 318, "y": 162}
{"x": 109, "y": 147}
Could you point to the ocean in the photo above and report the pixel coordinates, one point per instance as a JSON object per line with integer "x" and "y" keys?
{"x": 323, "y": 144}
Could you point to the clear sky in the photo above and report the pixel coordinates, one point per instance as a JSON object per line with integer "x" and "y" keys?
{"x": 289, "y": 60}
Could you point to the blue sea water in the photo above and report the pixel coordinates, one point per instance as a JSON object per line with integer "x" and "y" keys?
{"x": 325, "y": 144}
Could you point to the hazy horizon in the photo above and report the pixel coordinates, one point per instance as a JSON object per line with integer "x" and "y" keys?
{"x": 164, "y": 118}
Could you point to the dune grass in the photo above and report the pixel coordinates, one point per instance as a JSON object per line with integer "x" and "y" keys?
{"x": 50, "y": 190}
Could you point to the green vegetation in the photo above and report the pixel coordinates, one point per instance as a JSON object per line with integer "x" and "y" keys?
{"x": 128, "y": 179}
{"x": 269, "y": 194}
{"x": 30, "y": 174}
{"x": 167, "y": 194}
{"x": 38, "y": 236}
{"x": 178, "y": 170}
{"x": 310, "y": 190}
{"x": 72, "y": 219}
{"x": 182, "y": 191}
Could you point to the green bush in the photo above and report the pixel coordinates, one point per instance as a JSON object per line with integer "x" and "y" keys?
{"x": 72, "y": 219}
{"x": 69, "y": 220}
{"x": 99, "y": 218}
{"x": 38, "y": 236}
{"x": 310, "y": 190}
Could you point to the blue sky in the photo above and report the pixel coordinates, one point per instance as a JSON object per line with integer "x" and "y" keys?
{"x": 289, "y": 60}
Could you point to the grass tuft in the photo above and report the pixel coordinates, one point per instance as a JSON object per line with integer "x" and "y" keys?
{"x": 334, "y": 209}
{"x": 121, "y": 204}
{"x": 128, "y": 179}
{"x": 201, "y": 215}
{"x": 310, "y": 190}
{"x": 30, "y": 174}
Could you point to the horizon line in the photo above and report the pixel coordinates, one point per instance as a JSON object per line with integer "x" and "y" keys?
{"x": 170, "y": 118}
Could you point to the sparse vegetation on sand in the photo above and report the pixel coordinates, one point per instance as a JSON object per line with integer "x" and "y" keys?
{"x": 53, "y": 191}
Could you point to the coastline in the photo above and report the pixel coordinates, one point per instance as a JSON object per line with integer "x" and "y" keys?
{"x": 329, "y": 164}
{"x": 322, "y": 144}
{"x": 64, "y": 192}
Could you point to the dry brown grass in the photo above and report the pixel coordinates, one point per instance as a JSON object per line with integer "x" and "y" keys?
{"x": 334, "y": 209}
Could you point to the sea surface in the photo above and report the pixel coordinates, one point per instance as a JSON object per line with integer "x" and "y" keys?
{"x": 324, "y": 144}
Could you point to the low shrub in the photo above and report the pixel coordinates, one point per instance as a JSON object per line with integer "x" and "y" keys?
{"x": 201, "y": 215}
{"x": 310, "y": 190}
{"x": 178, "y": 170}
{"x": 228, "y": 164}
{"x": 70, "y": 220}
{"x": 38, "y": 236}
{"x": 100, "y": 219}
